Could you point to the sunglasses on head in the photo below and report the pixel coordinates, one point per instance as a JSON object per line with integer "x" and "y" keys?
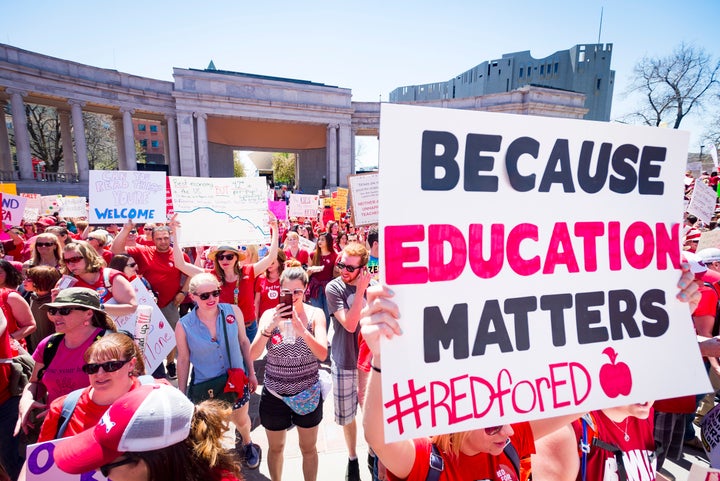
{"x": 45, "y": 244}
{"x": 110, "y": 366}
{"x": 206, "y": 295}
{"x": 294, "y": 292}
{"x": 106, "y": 468}
{"x": 64, "y": 311}
{"x": 73, "y": 260}
{"x": 348, "y": 268}
{"x": 225, "y": 257}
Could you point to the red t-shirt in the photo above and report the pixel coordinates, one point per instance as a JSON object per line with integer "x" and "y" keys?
{"x": 302, "y": 256}
{"x": 159, "y": 270}
{"x": 481, "y": 466}
{"x": 364, "y": 354}
{"x": 99, "y": 285}
{"x": 107, "y": 256}
{"x": 637, "y": 450}
{"x": 245, "y": 294}
{"x": 269, "y": 293}
{"x": 708, "y": 302}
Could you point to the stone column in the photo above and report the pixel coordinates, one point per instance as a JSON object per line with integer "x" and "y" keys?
{"x": 120, "y": 141}
{"x": 353, "y": 167}
{"x": 67, "y": 141}
{"x": 186, "y": 143}
{"x": 332, "y": 156}
{"x": 5, "y": 154}
{"x": 83, "y": 165}
{"x": 345, "y": 154}
{"x": 128, "y": 138}
{"x": 22, "y": 137}
{"x": 202, "y": 145}
{"x": 171, "y": 145}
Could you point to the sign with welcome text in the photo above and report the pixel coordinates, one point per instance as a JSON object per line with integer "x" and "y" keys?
{"x": 118, "y": 196}
{"x": 364, "y": 198}
{"x": 535, "y": 262}
{"x": 40, "y": 464}
{"x": 222, "y": 211}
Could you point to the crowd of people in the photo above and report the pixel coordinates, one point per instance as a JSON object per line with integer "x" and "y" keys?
{"x": 297, "y": 306}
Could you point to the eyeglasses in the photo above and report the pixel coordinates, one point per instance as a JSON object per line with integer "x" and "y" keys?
{"x": 206, "y": 295}
{"x": 492, "y": 431}
{"x": 45, "y": 244}
{"x": 294, "y": 292}
{"x": 131, "y": 265}
{"x": 225, "y": 257}
{"x": 76, "y": 259}
{"x": 110, "y": 366}
{"x": 106, "y": 468}
{"x": 348, "y": 268}
{"x": 64, "y": 311}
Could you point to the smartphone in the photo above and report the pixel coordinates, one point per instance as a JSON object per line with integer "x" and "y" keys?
{"x": 287, "y": 300}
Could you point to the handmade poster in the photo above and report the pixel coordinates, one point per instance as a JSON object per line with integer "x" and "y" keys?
{"x": 222, "y": 211}
{"x": 13, "y": 208}
{"x": 50, "y": 204}
{"x": 364, "y": 198}
{"x": 700, "y": 472}
{"x": 306, "y": 245}
{"x": 74, "y": 207}
{"x": 702, "y": 202}
{"x": 159, "y": 338}
{"x": 303, "y": 205}
{"x": 118, "y": 196}
{"x": 279, "y": 208}
{"x": 41, "y": 465}
{"x": 710, "y": 238}
{"x": 340, "y": 202}
{"x": 535, "y": 264}
{"x": 8, "y": 188}
{"x": 33, "y": 204}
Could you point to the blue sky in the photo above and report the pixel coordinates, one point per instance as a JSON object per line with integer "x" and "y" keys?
{"x": 370, "y": 47}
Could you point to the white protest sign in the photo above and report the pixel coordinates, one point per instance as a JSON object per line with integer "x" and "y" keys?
{"x": 702, "y": 202}
{"x": 32, "y": 206}
{"x": 159, "y": 339}
{"x": 74, "y": 207}
{"x": 118, "y": 196}
{"x": 303, "y": 205}
{"x": 41, "y": 465}
{"x": 50, "y": 204}
{"x": 710, "y": 238}
{"x": 224, "y": 211}
{"x": 364, "y": 198}
{"x": 545, "y": 298}
{"x": 306, "y": 245}
{"x": 13, "y": 208}
{"x": 702, "y": 473}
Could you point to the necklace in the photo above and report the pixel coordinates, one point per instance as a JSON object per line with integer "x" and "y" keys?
{"x": 626, "y": 436}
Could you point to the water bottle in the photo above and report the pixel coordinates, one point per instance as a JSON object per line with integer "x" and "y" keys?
{"x": 142, "y": 325}
{"x": 288, "y": 332}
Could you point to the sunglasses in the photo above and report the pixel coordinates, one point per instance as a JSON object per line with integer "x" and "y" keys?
{"x": 132, "y": 232}
{"x": 45, "y": 244}
{"x": 64, "y": 311}
{"x": 110, "y": 366}
{"x": 294, "y": 292}
{"x": 76, "y": 259}
{"x": 348, "y": 268}
{"x": 206, "y": 295}
{"x": 492, "y": 431}
{"x": 131, "y": 265}
{"x": 225, "y": 257}
{"x": 106, "y": 468}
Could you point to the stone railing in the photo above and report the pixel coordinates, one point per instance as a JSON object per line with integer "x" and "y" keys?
{"x": 56, "y": 177}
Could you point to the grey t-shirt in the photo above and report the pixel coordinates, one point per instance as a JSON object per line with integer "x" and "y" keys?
{"x": 344, "y": 347}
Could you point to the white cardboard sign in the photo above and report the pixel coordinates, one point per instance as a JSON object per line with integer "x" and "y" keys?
{"x": 702, "y": 203}
{"x": 223, "y": 211}
{"x": 364, "y": 198}
{"x": 117, "y": 196}
{"x": 74, "y": 207}
{"x": 303, "y": 205}
{"x": 41, "y": 464}
{"x": 532, "y": 280}
{"x": 13, "y": 208}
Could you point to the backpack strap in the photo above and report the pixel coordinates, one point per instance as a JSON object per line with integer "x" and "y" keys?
{"x": 436, "y": 464}
{"x": 49, "y": 353}
{"x": 589, "y": 427}
{"x": 587, "y": 422}
{"x": 106, "y": 279}
{"x": 513, "y": 456}
{"x": 68, "y": 407}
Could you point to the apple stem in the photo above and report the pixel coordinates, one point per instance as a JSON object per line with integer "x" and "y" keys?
{"x": 610, "y": 352}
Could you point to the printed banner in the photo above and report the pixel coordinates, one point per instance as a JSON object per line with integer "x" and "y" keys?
{"x": 41, "y": 465}
{"x": 224, "y": 211}
{"x": 118, "y": 196}
{"x": 303, "y": 205}
{"x": 74, "y": 207}
{"x": 13, "y": 208}
{"x": 546, "y": 297}
{"x": 159, "y": 339}
{"x": 702, "y": 202}
{"x": 364, "y": 198}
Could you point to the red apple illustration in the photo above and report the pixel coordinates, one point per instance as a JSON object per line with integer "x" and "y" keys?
{"x": 615, "y": 378}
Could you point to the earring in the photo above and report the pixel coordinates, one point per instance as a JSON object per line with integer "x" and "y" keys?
{"x": 86, "y": 323}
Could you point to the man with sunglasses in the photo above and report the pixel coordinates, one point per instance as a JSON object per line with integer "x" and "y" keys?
{"x": 345, "y": 299}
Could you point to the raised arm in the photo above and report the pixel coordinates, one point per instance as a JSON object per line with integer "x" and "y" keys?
{"x": 118, "y": 245}
{"x": 262, "y": 265}
{"x": 178, "y": 255}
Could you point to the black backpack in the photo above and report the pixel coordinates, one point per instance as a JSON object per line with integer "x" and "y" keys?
{"x": 437, "y": 464}
{"x": 52, "y": 347}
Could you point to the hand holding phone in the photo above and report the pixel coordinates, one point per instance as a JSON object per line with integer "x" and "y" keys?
{"x": 286, "y": 300}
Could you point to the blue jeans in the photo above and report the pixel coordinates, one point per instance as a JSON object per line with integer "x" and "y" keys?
{"x": 9, "y": 447}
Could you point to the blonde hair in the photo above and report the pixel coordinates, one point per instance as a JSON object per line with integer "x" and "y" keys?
{"x": 202, "y": 278}
{"x": 93, "y": 262}
{"x": 450, "y": 443}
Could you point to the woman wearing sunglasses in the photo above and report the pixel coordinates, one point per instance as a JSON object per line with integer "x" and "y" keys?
{"x": 45, "y": 252}
{"x": 292, "y": 392}
{"x": 113, "y": 364}
{"x": 322, "y": 271}
{"x": 81, "y": 261}
{"x": 78, "y": 315}
{"x": 127, "y": 265}
{"x": 209, "y": 338}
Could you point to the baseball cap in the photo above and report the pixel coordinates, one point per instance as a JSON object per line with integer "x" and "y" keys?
{"x": 150, "y": 417}
{"x": 697, "y": 266}
{"x": 709, "y": 254}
